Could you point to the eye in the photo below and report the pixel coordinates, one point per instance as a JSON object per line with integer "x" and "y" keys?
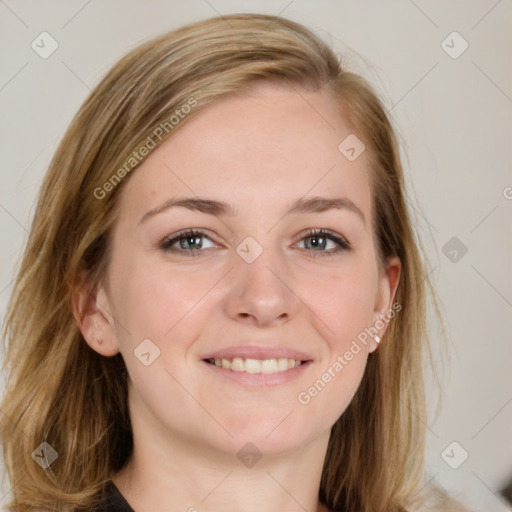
{"x": 189, "y": 241}
{"x": 318, "y": 240}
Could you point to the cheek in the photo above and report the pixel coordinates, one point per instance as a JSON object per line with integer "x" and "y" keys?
{"x": 344, "y": 303}
{"x": 330, "y": 393}
{"x": 153, "y": 304}
{"x": 344, "y": 300}
{"x": 345, "y": 307}
{"x": 166, "y": 310}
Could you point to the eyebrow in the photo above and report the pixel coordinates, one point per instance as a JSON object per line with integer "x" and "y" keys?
{"x": 314, "y": 204}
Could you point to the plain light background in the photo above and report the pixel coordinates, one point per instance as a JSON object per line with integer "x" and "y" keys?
{"x": 454, "y": 119}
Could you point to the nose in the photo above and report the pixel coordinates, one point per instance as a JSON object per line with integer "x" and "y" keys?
{"x": 261, "y": 292}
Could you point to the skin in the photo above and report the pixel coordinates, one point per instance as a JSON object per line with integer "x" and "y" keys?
{"x": 259, "y": 152}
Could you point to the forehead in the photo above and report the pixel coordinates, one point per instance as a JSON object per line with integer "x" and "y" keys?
{"x": 269, "y": 147}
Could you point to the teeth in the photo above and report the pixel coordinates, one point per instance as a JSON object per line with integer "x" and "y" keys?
{"x": 239, "y": 364}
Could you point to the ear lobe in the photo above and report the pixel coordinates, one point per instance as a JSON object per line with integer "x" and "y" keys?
{"x": 91, "y": 311}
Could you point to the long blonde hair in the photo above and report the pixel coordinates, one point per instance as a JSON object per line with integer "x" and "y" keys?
{"x": 62, "y": 392}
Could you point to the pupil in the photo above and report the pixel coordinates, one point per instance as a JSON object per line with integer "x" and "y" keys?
{"x": 192, "y": 241}
{"x": 314, "y": 241}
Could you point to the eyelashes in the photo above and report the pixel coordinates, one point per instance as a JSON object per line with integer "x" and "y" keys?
{"x": 189, "y": 236}
{"x": 190, "y": 242}
{"x": 315, "y": 234}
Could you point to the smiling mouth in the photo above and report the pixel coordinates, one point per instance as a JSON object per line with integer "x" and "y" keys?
{"x": 248, "y": 365}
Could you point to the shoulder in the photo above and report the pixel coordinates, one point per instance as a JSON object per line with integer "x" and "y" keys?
{"x": 112, "y": 500}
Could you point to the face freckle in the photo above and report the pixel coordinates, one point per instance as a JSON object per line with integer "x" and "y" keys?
{"x": 249, "y": 278}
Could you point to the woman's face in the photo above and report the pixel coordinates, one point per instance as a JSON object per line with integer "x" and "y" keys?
{"x": 256, "y": 287}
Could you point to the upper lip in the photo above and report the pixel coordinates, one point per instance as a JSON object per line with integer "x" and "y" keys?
{"x": 254, "y": 351}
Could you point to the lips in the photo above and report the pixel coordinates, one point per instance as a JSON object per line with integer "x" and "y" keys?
{"x": 260, "y": 352}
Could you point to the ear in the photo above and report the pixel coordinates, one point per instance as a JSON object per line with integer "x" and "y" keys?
{"x": 91, "y": 310}
{"x": 389, "y": 277}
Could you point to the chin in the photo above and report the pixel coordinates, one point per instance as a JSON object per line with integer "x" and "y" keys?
{"x": 272, "y": 434}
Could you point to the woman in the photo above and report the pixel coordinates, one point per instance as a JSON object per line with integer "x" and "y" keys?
{"x": 222, "y": 304}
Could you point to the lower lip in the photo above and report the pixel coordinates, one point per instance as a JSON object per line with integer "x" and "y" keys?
{"x": 259, "y": 380}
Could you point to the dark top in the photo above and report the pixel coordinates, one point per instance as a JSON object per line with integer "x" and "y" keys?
{"x": 113, "y": 500}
